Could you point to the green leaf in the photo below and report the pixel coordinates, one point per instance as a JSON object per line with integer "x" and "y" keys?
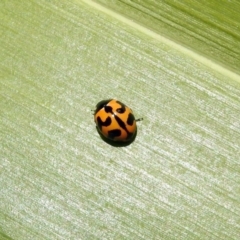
{"x": 175, "y": 63}
{"x": 209, "y": 28}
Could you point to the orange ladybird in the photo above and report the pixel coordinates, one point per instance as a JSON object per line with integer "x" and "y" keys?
{"x": 115, "y": 121}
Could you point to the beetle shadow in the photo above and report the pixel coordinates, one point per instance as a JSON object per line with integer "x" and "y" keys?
{"x": 117, "y": 143}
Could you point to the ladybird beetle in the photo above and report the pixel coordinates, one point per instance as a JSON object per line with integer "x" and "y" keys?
{"x": 115, "y": 121}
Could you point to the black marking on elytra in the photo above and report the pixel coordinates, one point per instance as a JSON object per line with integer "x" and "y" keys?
{"x": 105, "y": 123}
{"x": 101, "y": 104}
{"x": 130, "y": 119}
{"x": 117, "y": 132}
{"x": 117, "y": 143}
{"x": 122, "y": 124}
{"x": 108, "y": 109}
{"x": 114, "y": 133}
{"x": 122, "y": 109}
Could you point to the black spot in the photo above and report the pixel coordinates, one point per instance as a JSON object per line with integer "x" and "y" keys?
{"x": 114, "y": 133}
{"x": 122, "y": 109}
{"x": 105, "y": 123}
{"x": 108, "y": 109}
{"x": 117, "y": 143}
{"x": 130, "y": 119}
{"x": 101, "y": 104}
{"x": 121, "y": 123}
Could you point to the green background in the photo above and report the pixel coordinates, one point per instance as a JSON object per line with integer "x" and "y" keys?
{"x": 175, "y": 63}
